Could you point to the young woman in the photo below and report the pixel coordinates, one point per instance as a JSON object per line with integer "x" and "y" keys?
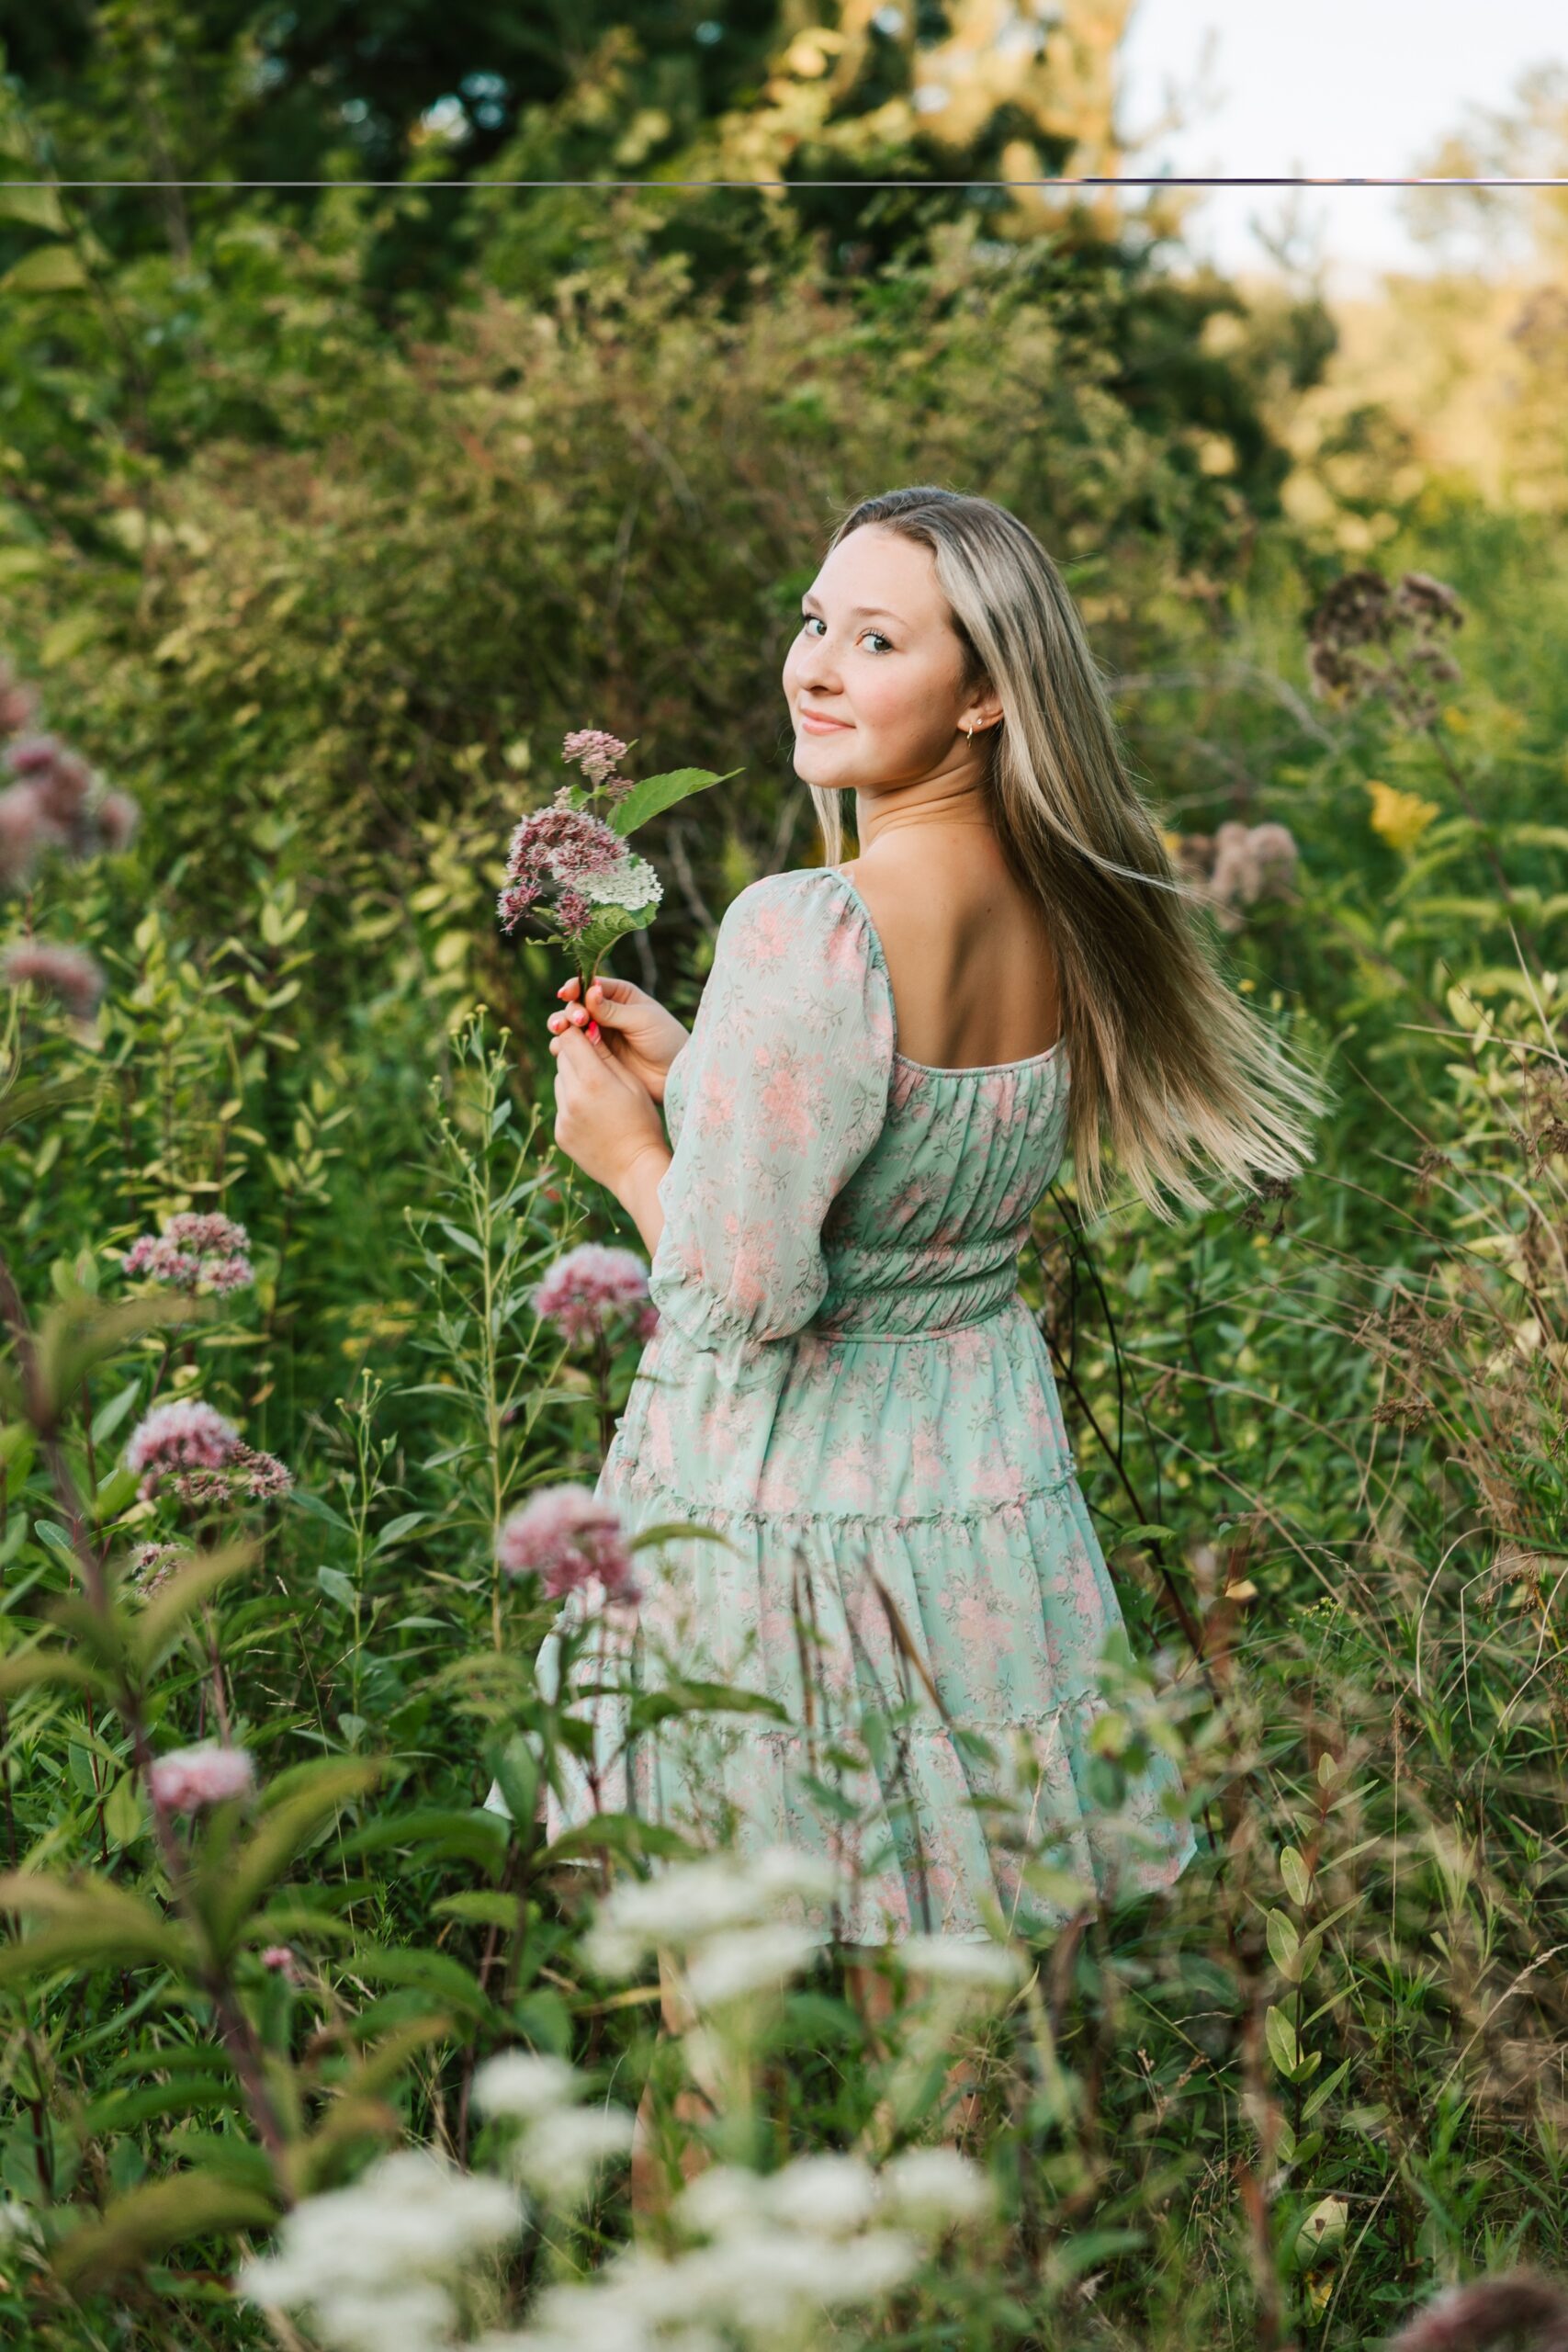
{"x": 890, "y": 1058}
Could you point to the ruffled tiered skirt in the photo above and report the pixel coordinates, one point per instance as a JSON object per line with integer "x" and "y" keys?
{"x": 907, "y": 1571}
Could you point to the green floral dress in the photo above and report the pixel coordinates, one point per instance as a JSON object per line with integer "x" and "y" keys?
{"x": 846, "y": 1387}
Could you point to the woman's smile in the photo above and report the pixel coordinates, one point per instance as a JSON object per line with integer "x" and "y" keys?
{"x": 818, "y": 725}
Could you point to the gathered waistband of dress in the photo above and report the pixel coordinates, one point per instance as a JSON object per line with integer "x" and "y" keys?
{"x": 990, "y": 1313}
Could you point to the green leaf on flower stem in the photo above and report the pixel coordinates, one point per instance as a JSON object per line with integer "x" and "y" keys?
{"x": 1280, "y": 2035}
{"x": 336, "y": 1586}
{"x": 650, "y": 1707}
{"x": 107, "y": 1417}
{"x": 607, "y": 925}
{"x": 480, "y": 1908}
{"x": 26, "y": 1669}
{"x": 656, "y": 793}
{"x": 626, "y": 1834}
{"x": 1284, "y": 1942}
{"x": 1294, "y": 1870}
{"x": 668, "y": 1531}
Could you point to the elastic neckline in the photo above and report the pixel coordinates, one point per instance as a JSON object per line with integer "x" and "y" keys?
{"x": 931, "y": 1069}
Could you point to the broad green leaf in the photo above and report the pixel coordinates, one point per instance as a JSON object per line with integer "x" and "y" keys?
{"x": 656, "y": 793}
{"x": 39, "y": 207}
{"x": 1294, "y": 1870}
{"x": 107, "y": 1417}
{"x": 1325, "y": 2090}
{"x": 48, "y": 269}
{"x": 650, "y": 1707}
{"x": 669, "y": 1531}
{"x": 620, "y": 1833}
{"x": 1281, "y": 2034}
{"x": 1325, "y": 2225}
{"x": 1284, "y": 1942}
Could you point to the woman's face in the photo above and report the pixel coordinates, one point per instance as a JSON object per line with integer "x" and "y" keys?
{"x": 876, "y": 652}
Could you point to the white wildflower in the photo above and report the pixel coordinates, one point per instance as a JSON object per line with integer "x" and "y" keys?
{"x": 779, "y": 1871}
{"x": 561, "y": 2148}
{"x": 935, "y": 2187}
{"x": 674, "y": 1909}
{"x": 776, "y": 2279}
{"x": 684, "y": 1902}
{"x": 633, "y": 885}
{"x": 956, "y": 1960}
{"x": 719, "y": 2198}
{"x": 831, "y": 2193}
{"x": 525, "y": 2083}
{"x": 410, "y": 2216}
{"x": 414, "y": 2314}
{"x": 748, "y": 1960}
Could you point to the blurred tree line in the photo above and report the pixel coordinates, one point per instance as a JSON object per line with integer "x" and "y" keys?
{"x": 333, "y": 508}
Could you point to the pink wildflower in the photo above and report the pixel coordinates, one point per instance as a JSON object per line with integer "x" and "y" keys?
{"x": 574, "y": 913}
{"x": 182, "y": 1435}
{"x": 565, "y": 1537}
{"x": 190, "y": 1777}
{"x": 152, "y": 1566}
{"x": 117, "y": 817}
{"x": 594, "y": 752}
{"x": 22, "y": 832}
{"x": 68, "y": 973}
{"x": 246, "y": 1476}
{"x": 552, "y": 849}
{"x": 282, "y": 1960}
{"x": 19, "y": 704}
{"x": 585, "y": 1292}
{"x": 194, "y": 1248}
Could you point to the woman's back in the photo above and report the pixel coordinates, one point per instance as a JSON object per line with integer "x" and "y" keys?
{"x": 970, "y": 961}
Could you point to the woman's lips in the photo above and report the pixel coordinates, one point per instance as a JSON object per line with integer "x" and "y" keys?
{"x": 822, "y": 726}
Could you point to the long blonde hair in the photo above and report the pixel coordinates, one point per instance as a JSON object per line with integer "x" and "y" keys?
{"x": 1171, "y": 1070}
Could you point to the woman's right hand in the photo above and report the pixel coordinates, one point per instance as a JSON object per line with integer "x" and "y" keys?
{"x": 636, "y": 1030}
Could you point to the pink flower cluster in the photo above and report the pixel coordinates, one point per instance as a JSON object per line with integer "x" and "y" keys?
{"x": 192, "y": 1248}
{"x": 152, "y": 1566}
{"x": 549, "y": 852}
{"x": 586, "y": 1290}
{"x": 1238, "y": 865}
{"x": 52, "y": 804}
{"x": 284, "y": 1961}
{"x": 203, "y": 1456}
{"x": 68, "y": 973}
{"x": 597, "y": 754}
{"x": 191, "y": 1777}
{"x": 566, "y": 1537}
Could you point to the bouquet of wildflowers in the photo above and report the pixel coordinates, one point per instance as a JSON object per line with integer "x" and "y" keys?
{"x": 568, "y": 866}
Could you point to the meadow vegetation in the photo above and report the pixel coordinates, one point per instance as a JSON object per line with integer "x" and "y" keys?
{"x": 309, "y": 579}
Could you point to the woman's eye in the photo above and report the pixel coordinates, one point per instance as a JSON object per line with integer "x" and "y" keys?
{"x": 807, "y": 618}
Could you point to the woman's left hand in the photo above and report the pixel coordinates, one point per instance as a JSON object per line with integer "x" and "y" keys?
{"x": 605, "y": 1120}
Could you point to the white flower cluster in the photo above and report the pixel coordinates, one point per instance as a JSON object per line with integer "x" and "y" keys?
{"x": 371, "y": 2262}
{"x": 778, "y": 2254}
{"x": 562, "y": 2142}
{"x": 632, "y": 884}
{"x": 723, "y": 1915}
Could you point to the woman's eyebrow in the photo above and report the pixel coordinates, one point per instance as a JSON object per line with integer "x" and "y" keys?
{"x": 863, "y": 612}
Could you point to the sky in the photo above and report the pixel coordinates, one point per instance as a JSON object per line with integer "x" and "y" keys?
{"x": 1343, "y": 85}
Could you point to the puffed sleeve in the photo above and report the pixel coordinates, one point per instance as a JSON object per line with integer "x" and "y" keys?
{"x": 791, "y": 1060}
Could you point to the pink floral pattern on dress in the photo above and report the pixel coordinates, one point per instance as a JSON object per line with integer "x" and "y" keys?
{"x": 847, "y": 1387}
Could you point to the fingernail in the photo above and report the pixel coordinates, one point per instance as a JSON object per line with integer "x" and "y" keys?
{"x": 593, "y": 1031}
